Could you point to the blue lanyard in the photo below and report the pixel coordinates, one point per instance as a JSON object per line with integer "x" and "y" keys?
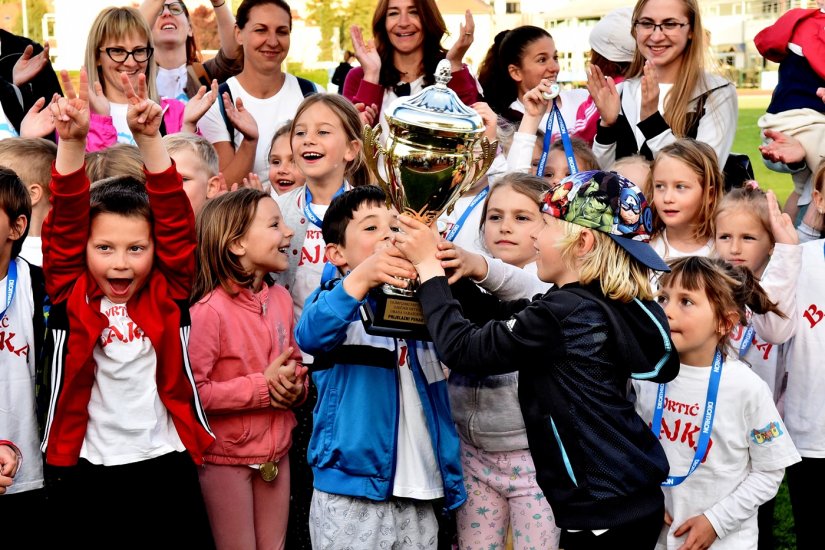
{"x": 309, "y": 213}
{"x": 11, "y": 285}
{"x": 707, "y": 421}
{"x": 457, "y": 225}
{"x": 565, "y": 139}
{"x": 747, "y": 340}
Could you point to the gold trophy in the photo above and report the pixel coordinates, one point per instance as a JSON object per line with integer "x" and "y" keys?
{"x": 435, "y": 152}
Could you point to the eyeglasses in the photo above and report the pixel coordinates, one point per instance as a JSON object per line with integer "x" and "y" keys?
{"x": 119, "y": 55}
{"x": 175, "y": 8}
{"x": 668, "y": 27}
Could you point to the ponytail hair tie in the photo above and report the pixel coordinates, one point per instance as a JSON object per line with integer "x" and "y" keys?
{"x": 751, "y": 184}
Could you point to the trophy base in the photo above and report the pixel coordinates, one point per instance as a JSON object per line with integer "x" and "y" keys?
{"x": 394, "y": 316}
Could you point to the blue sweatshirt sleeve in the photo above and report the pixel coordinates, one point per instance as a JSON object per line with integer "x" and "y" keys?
{"x": 328, "y": 312}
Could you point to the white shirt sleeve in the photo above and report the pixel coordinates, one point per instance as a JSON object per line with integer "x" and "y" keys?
{"x": 508, "y": 282}
{"x": 520, "y": 156}
{"x": 759, "y": 487}
{"x": 780, "y": 281}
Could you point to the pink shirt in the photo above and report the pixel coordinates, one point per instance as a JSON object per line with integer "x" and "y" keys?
{"x": 233, "y": 340}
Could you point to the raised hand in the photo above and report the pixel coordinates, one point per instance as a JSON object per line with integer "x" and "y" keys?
{"x": 605, "y": 95}
{"x": 28, "y": 65}
{"x": 489, "y": 118}
{"x": 198, "y": 106}
{"x": 71, "y": 112}
{"x": 367, "y": 114}
{"x": 465, "y": 39}
{"x": 782, "y": 226}
{"x": 142, "y": 114}
{"x": 99, "y": 101}
{"x": 782, "y": 148}
{"x": 39, "y": 121}
{"x": 253, "y": 181}
{"x": 650, "y": 91}
{"x": 366, "y": 54}
{"x": 240, "y": 118}
{"x": 535, "y": 105}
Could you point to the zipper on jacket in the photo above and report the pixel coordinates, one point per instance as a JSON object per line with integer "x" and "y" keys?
{"x": 564, "y": 456}
{"x": 397, "y": 416}
{"x": 434, "y": 441}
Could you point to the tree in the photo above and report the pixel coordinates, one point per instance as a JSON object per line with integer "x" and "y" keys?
{"x": 206, "y": 28}
{"x": 358, "y": 12}
{"x": 330, "y": 16}
{"x": 323, "y": 14}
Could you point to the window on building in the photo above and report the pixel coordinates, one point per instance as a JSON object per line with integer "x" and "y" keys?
{"x": 512, "y": 7}
{"x": 770, "y": 8}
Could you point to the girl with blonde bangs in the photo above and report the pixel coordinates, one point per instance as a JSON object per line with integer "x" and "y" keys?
{"x": 669, "y": 93}
{"x": 687, "y": 187}
{"x": 120, "y": 46}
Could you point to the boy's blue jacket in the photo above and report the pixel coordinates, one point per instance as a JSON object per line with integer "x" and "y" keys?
{"x": 353, "y": 446}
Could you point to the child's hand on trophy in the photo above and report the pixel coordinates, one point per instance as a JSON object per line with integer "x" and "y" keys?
{"x": 459, "y": 263}
{"x": 419, "y": 243}
{"x": 386, "y": 264}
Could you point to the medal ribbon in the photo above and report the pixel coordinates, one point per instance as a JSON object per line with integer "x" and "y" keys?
{"x": 747, "y": 340}
{"x": 565, "y": 139}
{"x": 457, "y": 225}
{"x": 309, "y": 213}
{"x": 11, "y": 284}
{"x": 707, "y": 420}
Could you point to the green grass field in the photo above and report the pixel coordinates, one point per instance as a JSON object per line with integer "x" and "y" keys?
{"x": 747, "y": 140}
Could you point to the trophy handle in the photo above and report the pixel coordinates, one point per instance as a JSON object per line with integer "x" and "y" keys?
{"x": 372, "y": 149}
{"x": 480, "y": 166}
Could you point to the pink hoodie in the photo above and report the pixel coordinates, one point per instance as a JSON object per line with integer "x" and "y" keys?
{"x": 233, "y": 340}
{"x": 102, "y": 132}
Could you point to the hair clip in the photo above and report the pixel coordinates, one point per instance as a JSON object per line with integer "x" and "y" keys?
{"x": 751, "y": 184}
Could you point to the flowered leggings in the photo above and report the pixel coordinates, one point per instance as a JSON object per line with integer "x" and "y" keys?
{"x": 502, "y": 491}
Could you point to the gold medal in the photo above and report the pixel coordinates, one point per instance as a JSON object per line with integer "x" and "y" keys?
{"x": 269, "y": 471}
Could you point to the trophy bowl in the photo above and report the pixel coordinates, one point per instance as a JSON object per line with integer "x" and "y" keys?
{"x": 434, "y": 152}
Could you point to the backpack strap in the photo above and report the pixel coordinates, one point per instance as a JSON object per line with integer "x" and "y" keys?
{"x": 224, "y": 88}
{"x": 198, "y": 73}
{"x": 307, "y": 86}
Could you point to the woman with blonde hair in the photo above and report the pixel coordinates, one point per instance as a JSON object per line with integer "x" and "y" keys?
{"x": 120, "y": 48}
{"x": 669, "y": 94}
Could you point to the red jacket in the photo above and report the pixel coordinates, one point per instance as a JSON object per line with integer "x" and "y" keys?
{"x": 357, "y": 90}
{"x": 804, "y": 27}
{"x": 160, "y": 308}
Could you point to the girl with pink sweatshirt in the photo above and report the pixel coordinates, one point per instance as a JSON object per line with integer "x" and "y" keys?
{"x": 246, "y": 367}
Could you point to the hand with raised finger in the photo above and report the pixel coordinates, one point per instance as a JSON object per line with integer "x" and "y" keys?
{"x": 241, "y": 119}
{"x": 143, "y": 116}
{"x": 458, "y": 50}
{"x": 605, "y": 95}
{"x": 198, "y": 105}
{"x": 650, "y": 91}
{"x": 253, "y": 181}
{"x": 71, "y": 112}
{"x": 39, "y": 121}
{"x": 29, "y": 65}
{"x": 366, "y": 54}
{"x": 782, "y": 227}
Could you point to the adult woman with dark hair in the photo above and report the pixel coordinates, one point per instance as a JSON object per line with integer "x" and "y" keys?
{"x": 181, "y": 70}
{"x": 401, "y": 58}
{"x": 668, "y": 93}
{"x": 257, "y": 101}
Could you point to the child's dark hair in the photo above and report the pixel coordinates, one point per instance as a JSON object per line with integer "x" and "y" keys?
{"x": 342, "y": 210}
{"x": 222, "y": 221}
{"x": 730, "y": 289}
{"x": 15, "y": 202}
{"x": 508, "y": 48}
{"x": 121, "y": 195}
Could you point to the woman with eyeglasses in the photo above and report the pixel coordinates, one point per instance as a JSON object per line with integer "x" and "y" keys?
{"x": 120, "y": 46}
{"x": 669, "y": 94}
{"x": 402, "y": 56}
{"x": 181, "y": 70}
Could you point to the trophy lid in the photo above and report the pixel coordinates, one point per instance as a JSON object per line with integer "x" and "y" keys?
{"x": 436, "y": 108}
